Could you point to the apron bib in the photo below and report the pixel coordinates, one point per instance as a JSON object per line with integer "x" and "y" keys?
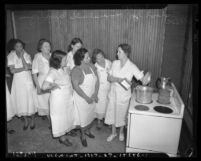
{"x": 85, "y": 113}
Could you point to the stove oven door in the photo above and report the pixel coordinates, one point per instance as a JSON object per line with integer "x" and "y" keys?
{"x": 153, "y": 133}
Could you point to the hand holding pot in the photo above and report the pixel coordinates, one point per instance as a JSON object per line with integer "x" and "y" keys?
{"x": 146, "y": 79}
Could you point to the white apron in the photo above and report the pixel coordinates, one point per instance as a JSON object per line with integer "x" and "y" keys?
{"x": 41, "y": 66}
{"x": 9, "y": 106}
{"x": 119, "y": 98}
{"x": 104, "y": 88}
{"x": 23, "y": 91}
{"x": 62, "y": 111}
{"x": 85, "y": 113}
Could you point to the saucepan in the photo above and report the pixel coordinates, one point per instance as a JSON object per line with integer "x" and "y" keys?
{"x": 144, "y": 94}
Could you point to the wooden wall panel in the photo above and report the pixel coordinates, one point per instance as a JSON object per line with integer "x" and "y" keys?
{"x": 175, "y": 29}
{"x": 30, "y": 27}
{"x": 106, "y": 29}
{"x": 187, "y": 68}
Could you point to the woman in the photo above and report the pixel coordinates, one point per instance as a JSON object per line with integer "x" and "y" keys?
{"x": 103, "y": 66}
{"x": 61, "y": 98}
{"x": 40, "y": 68}
{"x": 86, "y": 84}
{"x": 122, "y": 69}
{"x": 22, "y": 92}
{"x": 10, "y": 110}
{"x": 76, "y": 43}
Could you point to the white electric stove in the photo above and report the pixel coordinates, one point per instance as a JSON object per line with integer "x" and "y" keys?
{"x": 155, "y": 127}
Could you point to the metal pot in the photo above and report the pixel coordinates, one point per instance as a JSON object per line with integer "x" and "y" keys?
{"x": 144, "y": 94}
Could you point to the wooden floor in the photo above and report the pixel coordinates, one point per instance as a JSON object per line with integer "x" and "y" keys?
{"x": 40, "y": 140}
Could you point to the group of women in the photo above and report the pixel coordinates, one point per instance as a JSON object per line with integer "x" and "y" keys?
{"x": 71, "y": 88}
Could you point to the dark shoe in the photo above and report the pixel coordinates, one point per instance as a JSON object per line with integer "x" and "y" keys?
{"x": 22, "y": 119}
{"x": 25, "y": 127}
{"x": 84, "y": 142}
{"x": 32, "y": 127}
{"x": 98, "y": 127}
{"x": 65, "y": 142}
{"x": 90, "y": 135}
{"x": 72, "y": 133}
{"x": 11, "y": 131}
{"x": 43, "y": 117}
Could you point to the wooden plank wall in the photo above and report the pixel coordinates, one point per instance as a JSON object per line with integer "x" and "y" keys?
{"x": 173, "y": 49}
{"x": 144, "y": 30}
{"x": 32, "y": 26}
{"x": 187, "y": 67}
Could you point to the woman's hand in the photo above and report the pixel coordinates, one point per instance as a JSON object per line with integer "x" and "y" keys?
{"x": 119, "y": 80}
{"x": 26, "y": 67}
{"x": 129, "y": 82}
{"x": 146, "y": 79}
{"x": 22, "y": 54}
{"x": 7, "y": 75}
{"x": 55, "y": 86}
{"x": 39, "y": 91}
{"x": 89, "y": 100}
{"x": 94, "y": 97}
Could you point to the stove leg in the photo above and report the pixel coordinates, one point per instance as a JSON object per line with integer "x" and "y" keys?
{"x": 173, "y": 155}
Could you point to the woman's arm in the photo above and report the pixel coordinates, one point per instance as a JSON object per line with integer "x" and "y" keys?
{"x": 37, "y": 83}
{"x": 113, "y": 79}
{"x": 14, "y": 70}
{"x": 49, "y": 86}
{"x": 110, "y": 77}
{"x": 76, "y": 77}
{"x": 25, "y": 64}
{"x": 95, "y": 94}
{"x": 97, "y": 82}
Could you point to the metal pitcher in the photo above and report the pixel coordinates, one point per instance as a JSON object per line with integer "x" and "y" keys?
{"x": 163, "y": 83}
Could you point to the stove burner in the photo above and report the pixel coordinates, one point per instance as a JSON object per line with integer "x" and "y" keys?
{"x": 163, "y": 109}
{"x": 141, "y": 108}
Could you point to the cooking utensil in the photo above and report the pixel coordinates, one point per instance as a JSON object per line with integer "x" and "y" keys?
{"x": 163, "y": 83}
{"x": 147, "y": 78}
{"x": 144, "y": 94}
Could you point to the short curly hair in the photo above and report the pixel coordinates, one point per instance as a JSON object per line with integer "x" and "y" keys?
{"x": 19, "y": 41}
{"x": 56, "y": 58}
{"x": 95, "y": 53}
{"x": 10, "y": 45}
{"x": 41, "y": 42}
{"x": 126, "y": 48}
{"x": 79, "y": 56}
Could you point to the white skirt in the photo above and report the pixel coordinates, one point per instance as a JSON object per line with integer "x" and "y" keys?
{"x": 62, "y": 111}
{"x": 9, "y": 106}
{"x": 117, "y": 109}
{"x": 101, "y": 106}
{"x": 23, "y": 94}
{"x": 42, "y": 100}
{"x": 85, "y": 113}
